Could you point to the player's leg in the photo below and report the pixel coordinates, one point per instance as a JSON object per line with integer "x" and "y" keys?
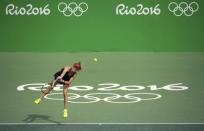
{"x": 50, "y": 88}
{"x": 65, "y": 100}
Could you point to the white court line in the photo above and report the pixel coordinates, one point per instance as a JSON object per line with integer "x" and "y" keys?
{"x": 101, "y": 123}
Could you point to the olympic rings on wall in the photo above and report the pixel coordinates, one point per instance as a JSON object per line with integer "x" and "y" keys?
{"x": 72, "y": 8}
{"x": 183, "y": 8}
{"x": 106, "y": 97}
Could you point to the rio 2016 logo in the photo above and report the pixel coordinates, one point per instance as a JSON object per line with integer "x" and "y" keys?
{"x": 67, "y": 9}
{"x": 139, "y": 9}
{"x": 12, "y": 9}
{"x": 104, "y": 92}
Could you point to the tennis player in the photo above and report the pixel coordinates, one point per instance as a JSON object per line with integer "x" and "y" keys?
{"x": 65, "y": 76}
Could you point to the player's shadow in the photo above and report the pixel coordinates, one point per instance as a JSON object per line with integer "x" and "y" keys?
{"x": 34, "y": 117}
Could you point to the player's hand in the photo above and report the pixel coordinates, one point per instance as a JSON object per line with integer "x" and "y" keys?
{"x": 59, "y": 78}
{"x": 66, "y": 82}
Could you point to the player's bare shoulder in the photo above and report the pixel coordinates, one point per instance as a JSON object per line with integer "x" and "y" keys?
{"x": 67, "y": 68}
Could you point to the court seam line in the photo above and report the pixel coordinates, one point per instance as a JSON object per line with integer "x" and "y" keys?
{"x": 101, "y": 123}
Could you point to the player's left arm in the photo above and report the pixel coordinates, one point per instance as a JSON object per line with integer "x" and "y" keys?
{"x": 66, "y": 69}
{"x": 71, "y": 79}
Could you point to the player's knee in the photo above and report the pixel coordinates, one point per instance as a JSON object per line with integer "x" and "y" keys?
{"x": 65, "y": 90}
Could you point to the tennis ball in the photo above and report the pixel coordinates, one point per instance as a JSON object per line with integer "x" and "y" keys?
{"x": 95, "y": 59}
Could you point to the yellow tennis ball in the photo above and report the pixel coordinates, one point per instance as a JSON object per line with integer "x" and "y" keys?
{"x": 95, "y": 59}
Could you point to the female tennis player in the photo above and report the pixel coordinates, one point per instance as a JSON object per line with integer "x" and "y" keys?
{"x": 65, "y": 76}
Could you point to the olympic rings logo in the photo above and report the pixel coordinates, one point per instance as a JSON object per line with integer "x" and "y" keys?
{"x": 106, "y": 97}
{"x": 72, "y": 8}
{"x": 183, "y": 8}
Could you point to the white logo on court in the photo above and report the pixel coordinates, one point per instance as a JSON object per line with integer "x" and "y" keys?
{"x": 105, "y": 92}
{"x": 183, "y": 8}
{"x": 72, "y": 8}
{"x": 110, "y": 97}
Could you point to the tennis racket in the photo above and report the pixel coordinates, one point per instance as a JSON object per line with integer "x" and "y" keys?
{"x": 48, "y": 87}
